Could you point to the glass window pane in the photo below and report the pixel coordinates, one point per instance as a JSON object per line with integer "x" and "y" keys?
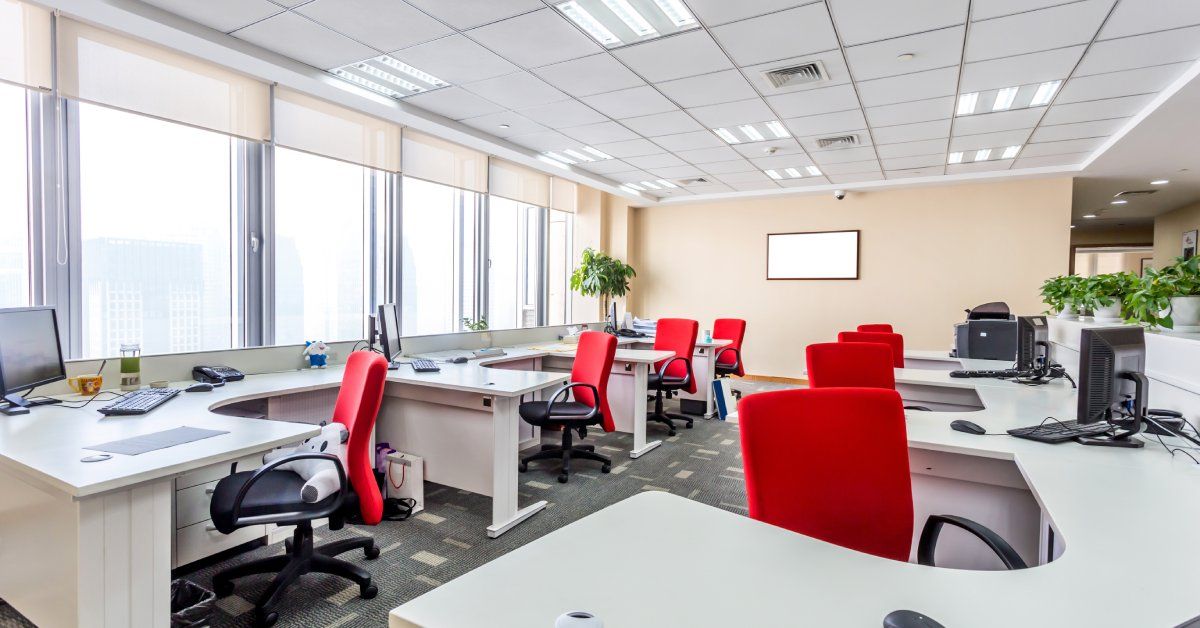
{"x": 14, "y": 200}
{"x": 513, "y": 263}
{"x": 559, "y": 256}
{"x": 157, "y": 213}
{"x": 438, "y": 258}
{"x": 320, "y": 207}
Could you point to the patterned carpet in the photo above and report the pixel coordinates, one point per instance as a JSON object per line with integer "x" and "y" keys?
{"x": 448, "y": 539}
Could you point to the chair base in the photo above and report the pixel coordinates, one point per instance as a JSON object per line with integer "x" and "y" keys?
{"x": 661, "y": 416}
{"x": 566, "y": 452}
{"x": 300, "y": 558}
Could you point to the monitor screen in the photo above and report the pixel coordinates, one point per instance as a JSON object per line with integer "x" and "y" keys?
{"x": 389, "y": 330}
{"x": 29, "y": 351}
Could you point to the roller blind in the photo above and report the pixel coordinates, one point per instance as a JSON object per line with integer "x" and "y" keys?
{"x": 98, "y": 66}
{"x": 518, "y": 183}
{"x": 316, "y": 126}
{"x": 25, "y": 45}
{"x": 433, "y": 159}
{"x": 563, "y": 195}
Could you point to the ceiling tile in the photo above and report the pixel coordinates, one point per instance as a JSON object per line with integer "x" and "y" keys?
{"x": 794, "y": 32}
{"x": 913, "y": 173}
{"x": 906, "y": 87}
{"x": 714, "y": 188}
{"x": 1037, "y": 67}
{"x": 1077, "y": 130}
{"x": 661, "y": 160}
{"x": 222, "y": 15}
{"x": 662, "y": 123}
{"x": 605, "y": 166}
{"x": 998, "y": 121}
{"x": 464, "y": 14}
{"x": 708, "y": 89}
{"x": 1140, "y": 51}
{"x": 590, "y": 75}
{"x": 679, "y": 172}
{"x": 1124, "y": 83}
{"x": 600, "y": 133}
{"x": 563, "y": 114}
{"x": 934, "y": 49}
{"x": 733, "y": 113}
{"x": 990, "y": 140}
{"x": 385, "y": 25}
{"x": 1052, "y": 160}
{"x": 456, "y": 59}
{"x": 911, "y": 132}
{"x": 455, "y": 103}
{"x": 1056, "y": 27}
{"x": 516, "y": 91}
{"x": 777, "y": 146}
{"x": 802, "y": 183}
{"x": 814, "y": 101}
{"x": 860, "y": 177}
{"x": 1097, "y": 109}
{"x": 782, "y": 161}
{"x": 852, "y": 167}
{"x": 677, "y": 56}
{"x": 688, "y": 141}
{"x": 1147, "y": 16}
{"x": 844, "y": 155}
{"x": 715, "y": 12}
{"x": 751, "y": 186}
{"x": 922, "y": 161}
{"x": 862, "y": 21}
{"x": 517, "y": 124}
{"x": 535, "y": 39}
{"x": 625, "y": 103}
{"x": 827, "y": 123}
{"x": 979, "y": 166}
{"x": 305, "y": 41}
{"x": 1062, "y": 147}
{"x": 987, "y": 9}
{"x": 628, "y": 148}
{"x": 546, "y": 140}
{"x": 633, "y": 176}
{"x": 911, "y": 149}
{"x": 708, "y": 155}
{"x": 908, "y": 112}
{"x": 832, "y": 60}
{"x": 725, "y": 167}
{"x": 754, "y": 176}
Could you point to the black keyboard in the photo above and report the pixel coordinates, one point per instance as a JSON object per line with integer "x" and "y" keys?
{"x": 421, "y": 365}
{"x": 140, "y": 402}
{"x": 996, "y": 374}
{"x": 1059, "y": 431}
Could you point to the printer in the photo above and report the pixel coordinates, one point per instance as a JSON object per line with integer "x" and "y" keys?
{"x": 989, "y": 333}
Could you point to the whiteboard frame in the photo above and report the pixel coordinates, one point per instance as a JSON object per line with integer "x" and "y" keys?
{"x": 857, "y": 256}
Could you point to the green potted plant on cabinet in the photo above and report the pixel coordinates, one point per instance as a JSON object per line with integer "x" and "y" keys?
{"x": 1105, "y": 295}
{"x": 1168, "y": 297}
{"x": 601, "y": 275}
{"x": 1064, "y": 295}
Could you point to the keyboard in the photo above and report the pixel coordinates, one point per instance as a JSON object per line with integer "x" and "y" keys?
{"x": 421, "y": 365}
{"x": 140, "y": 402}
{"x": 1059, "y": 432}
{"x": 996, "y": 374}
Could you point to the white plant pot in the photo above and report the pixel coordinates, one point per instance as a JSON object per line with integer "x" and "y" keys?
{"x": 1109, "y": 314}
{"x": 1185, "y": 312}
{"x": 1068, "y": 314}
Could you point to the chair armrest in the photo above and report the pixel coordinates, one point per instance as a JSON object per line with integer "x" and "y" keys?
{"x": 933, "y": 527}
{"x": 568, "y": 386}
{"x": 662, "y": 372}
{"x": 921, "y": 408}
{"x": 236, "y": 511}
{"x": 737, "y": 357}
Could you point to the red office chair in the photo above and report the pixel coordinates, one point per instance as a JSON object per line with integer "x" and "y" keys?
{"x": 266, "y": 495}
{"x": 852, "y": 365}
{"x": 677, "y": 335}
{"x": 876, "y": 327}
{"x": 855, "y": 490}
{"x": 589, "y": 386}
{"x": 729, "y": 359}
{"x": 895, "y": 341}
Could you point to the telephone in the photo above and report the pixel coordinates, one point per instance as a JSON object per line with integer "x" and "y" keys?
{"x": 629, "y": 333}
{"x": 216, "y": 374}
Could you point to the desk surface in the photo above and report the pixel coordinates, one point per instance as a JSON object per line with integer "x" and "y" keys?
{"x": 1127, "y": 518}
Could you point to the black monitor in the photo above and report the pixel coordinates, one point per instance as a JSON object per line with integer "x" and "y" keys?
{"x": 1033, "y": 346}
{"x": 388, "y": 322}
{"x": 1112, "y": 381}
{"x": 612, "y": 318}
{"x": 30, "y": 353}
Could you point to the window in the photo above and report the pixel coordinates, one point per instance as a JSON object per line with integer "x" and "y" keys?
{"x": 559, "y": 257}
{"x": 514, "y": 271}
{"x": 320, "y": 237}
{"x": 157, "y": 214}
{"x": 14, "y": 200}
{"x": 437, "y": 254}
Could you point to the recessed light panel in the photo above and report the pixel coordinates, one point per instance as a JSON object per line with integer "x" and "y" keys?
{"x": 782, "y": 174}
{"x": 1007, "y": 98}
{"x": 983, "y": 154}
{"x": 389, "y": 76}
{"x": 616, "y": 23}
{"x": 582, "y": 154}
{"x": 757, "y": 132}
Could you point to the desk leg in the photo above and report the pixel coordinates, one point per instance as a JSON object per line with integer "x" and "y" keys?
{"x": 505, "y": 513}
{"x": 640, "y": 446}
{"x": 710, "y": 372}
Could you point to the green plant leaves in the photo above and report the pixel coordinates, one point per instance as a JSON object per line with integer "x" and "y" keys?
{"x": 1145, "y": 300}
{"x": 601, "y": 275}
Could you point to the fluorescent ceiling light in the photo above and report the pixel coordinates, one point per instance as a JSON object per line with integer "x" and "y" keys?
{"x": 1010, "y": 152}
{"x": 778, "y": 129}
{"x": 727, "y": 136}
{"x": 411, "y": 71}
{"x": 553, "y": 155}
{"x": 1119, "y": 201}
{"x": 598, "y": 153}
{"x": 1089, "y": 215}
{"x": 955, "y": 158}
{"x": 553, "y": 162}
{"x": 588, "y": 23}
{"x": 813, "y": 170}
{"x": 751, "y": 133}
{"x": 1072, "y": 226}
{"x": 773, "y": 174}
{"x": 982, "y": 154}
{"x": 1004, "y": 98}
{"x": 667, "y": 184}
{"x": 369, "y": 84}
{"x": 676, "y": 12}
{"x": 966, "y": 103}
{"x": 578, "y": 155}
{"x": 1044, "y": 93}
{"x": 390, "y": 78}
{"x": 1159, "y": 182}
{"x": 634, "y": 186}
{"x": 628, "y": 188}
{"x": 631, "y": 17}
{"x": 792, "y": 172}
{"x": 650, "y": 184}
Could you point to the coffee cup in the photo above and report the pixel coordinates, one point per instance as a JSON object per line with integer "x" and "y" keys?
{"x": 86, "y": 384}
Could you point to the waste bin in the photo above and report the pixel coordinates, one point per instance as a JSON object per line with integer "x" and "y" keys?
{"x": 191, "y": 604}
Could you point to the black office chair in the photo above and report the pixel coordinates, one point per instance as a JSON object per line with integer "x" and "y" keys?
{"x": 674, "y": 374}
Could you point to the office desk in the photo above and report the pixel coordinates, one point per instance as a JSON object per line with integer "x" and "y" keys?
{"x": 704, "y": 368}
{"x": 1126, "y": 517}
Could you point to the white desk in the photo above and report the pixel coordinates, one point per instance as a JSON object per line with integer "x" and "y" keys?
{"x": 704, "y": 369}
{"x": 1125, "y": 517}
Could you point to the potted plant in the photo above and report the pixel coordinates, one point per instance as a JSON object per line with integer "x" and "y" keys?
{"x": 1169, "y": 297}
{"x": 1065, "y": 295}
{"x": 1105, "y": 295}
{"x": 601, "y": 275}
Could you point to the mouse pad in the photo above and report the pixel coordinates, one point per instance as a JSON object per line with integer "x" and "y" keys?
{"x": 155, "y": 440}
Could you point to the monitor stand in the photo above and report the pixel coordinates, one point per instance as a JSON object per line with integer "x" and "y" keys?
{"x": 1125, "y": 437}
{"x": 16, "y": 405}
{"x": 394, "y": 365}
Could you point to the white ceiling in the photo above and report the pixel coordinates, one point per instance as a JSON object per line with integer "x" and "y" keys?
{"x": 520, "y": 63}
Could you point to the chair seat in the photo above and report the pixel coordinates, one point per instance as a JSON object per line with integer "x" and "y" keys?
{"x": 726, "y": 369}
{"x": 654, "y": 381}
{"x": 276, "y": 492}
{"x": 535, "y": 412}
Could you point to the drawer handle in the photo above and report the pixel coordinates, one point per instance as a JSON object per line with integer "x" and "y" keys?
{"x": 209, "y": 491}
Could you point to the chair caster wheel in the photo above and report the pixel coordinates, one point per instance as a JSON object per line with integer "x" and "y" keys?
{"x": 562, "y": 478}
{"x": 606, "y": 468}
{"x": 287, "y": 546}
{"x": 523, "y": 468}
{"x": 265, "y": 619}
{"x": 689, "y": 426}
{"x": 671, "y": 433}
{"x": 368, "y": 592}
{"x": 371, "y": 552}
{"x": 222, "y": 589}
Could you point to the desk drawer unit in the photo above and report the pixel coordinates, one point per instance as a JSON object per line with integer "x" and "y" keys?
{"x": 201, "y": 540}
{"x": 195, "y": 537}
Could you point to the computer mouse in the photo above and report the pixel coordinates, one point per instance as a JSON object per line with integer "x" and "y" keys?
{"x": 459, "y": 360}
{"x": 909, "y": 619}
{"x": 199, "y": 387}
{"x": 960, "y": 425}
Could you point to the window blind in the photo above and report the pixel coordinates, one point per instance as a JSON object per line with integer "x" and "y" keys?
{"x": 564, "y": 195}
{"x": 25, "y": 45}
{"x": 434, "y": 159}
{"x": 518, "y": 183}
{"x": 317, "y": 126}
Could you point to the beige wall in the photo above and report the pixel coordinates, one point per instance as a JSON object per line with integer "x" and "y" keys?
{"x": 926, "y": 254}
{"x": 1168, "y": 233}
{"x": 602, "y": 222}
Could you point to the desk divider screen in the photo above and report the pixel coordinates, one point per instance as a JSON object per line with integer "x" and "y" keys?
{"x": 813, "y": 255}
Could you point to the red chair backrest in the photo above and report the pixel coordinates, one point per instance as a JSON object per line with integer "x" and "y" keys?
{"x": 853, "y": 490}
{"x": 677, "y": 335}
{"x": 731, "y": 329}
{"x": 850, "y": 365}
{"x": 593, "y": 365}
{"x": 895, "y": 341}
{"x": 357, "y": 406}
{"x": 883, "y": 327}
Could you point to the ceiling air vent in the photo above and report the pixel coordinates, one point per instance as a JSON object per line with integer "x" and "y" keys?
{"x": 812, "y": 72}
{"x": 839, "y": 141}
{"x": 696, "y": 181}
{"x": 1129, "y": 193}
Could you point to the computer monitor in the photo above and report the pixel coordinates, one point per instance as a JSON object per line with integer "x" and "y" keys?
{"x": 1112, "y": 381}
{"x": 612, "y": 318}
{"x": 30, "y": 353}
{"x": 388, "y": 321}
{"x": 1033, "y": 346}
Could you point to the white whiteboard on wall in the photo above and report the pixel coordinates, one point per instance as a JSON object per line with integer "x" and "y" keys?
{"x": 813, "y": 255}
